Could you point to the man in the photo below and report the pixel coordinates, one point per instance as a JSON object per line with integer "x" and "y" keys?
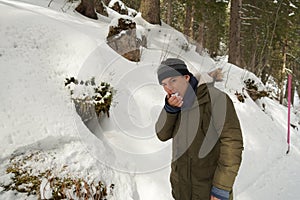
{"x": 207, "y": 139}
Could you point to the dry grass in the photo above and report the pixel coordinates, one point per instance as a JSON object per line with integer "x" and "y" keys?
{"x": 27, "y": 179}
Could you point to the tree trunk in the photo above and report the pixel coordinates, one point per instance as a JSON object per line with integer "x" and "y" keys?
{"x": 193, "y": 19}
{"x": 169, "y": 12}
{"x": 294, "y": 83}
{"x": 298, "y": 91}
{"x": 265, "y": 74}
{"x": 188, "y": 20}
{"x": 254, "y": 48}
{"x": 282, "y": 76}
{"x": 296, "y": 73}
{"x": 292, "y": 91}
{"x": 200, "y": 39}
{"x": 265, "y": 70}
{"x": 100, "y": 8}
{"x": 87, "y": 8}
{"x": 106, "y": 2}
{"x": 150, "y": 10}
{"x": 135, "y": 4}
{"x": 235, "y": 33}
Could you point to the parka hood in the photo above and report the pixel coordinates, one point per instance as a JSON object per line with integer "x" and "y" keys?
{"x": 204, "y": 78}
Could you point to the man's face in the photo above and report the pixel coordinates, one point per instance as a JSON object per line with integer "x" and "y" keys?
{"x": 176, "y": 84}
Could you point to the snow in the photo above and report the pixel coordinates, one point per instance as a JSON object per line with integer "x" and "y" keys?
{"x": 41, "y": 46}
{"x": 131, "y": 12}
{"x": 292, "y": 5}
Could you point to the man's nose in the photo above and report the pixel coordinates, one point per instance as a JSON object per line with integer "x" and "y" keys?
{"x": 169, "y": 87}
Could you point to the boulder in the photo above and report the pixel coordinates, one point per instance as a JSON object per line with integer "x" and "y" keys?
{"x": 122, "y": 38}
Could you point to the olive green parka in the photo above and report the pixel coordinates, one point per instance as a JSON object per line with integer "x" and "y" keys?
{"x": 207, "y": 144}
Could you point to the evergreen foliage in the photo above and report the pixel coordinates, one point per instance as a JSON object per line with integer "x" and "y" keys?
{"x": 270, "y": 33}
{"x": 212, "y": 13}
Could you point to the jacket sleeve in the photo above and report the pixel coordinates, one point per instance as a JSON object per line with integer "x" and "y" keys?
{"x": 165, "y": 125}
{"x": 231, "y": 143}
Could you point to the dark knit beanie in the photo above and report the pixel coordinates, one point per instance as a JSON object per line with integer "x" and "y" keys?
{"x": 172, "y": 67}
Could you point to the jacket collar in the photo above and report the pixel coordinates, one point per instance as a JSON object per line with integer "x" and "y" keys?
{"x": 202, "y": 92}
{"x": 204, "y": 82}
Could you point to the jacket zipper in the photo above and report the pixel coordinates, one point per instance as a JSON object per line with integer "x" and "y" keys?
{"x": 189, "y": 168}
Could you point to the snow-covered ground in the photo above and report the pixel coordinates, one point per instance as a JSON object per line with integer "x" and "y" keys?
{"x": 40, "y": 46}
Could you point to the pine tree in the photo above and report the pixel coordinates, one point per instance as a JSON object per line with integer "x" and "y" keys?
{"x": 235, "y": 33}
{"x": 150, "y": 10}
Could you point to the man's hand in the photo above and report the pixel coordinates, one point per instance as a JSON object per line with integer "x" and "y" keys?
{"x": 174, "y": 100}
{"x": 213, "y": 198}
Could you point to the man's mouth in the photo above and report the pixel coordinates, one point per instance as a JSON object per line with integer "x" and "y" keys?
{"x": 175, "y": 94}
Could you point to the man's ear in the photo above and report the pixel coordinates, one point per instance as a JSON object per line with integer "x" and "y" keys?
{"x": 187, "y": 77}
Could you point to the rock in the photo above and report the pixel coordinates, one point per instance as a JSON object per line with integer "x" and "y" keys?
{"x": 122, "y": 38}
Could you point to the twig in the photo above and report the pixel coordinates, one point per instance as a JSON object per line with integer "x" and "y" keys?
{"x": 162, "y": 56}
{"x": 227, "y": 76}
{"x": 50, "y": 3}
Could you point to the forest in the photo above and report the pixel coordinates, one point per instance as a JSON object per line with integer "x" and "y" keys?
{"x": 262, "y": 37}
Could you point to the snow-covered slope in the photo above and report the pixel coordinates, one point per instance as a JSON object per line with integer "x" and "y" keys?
{"x": 41, "y": 46}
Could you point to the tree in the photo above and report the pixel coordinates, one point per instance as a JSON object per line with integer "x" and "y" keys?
{"x": 200, "y": 38}
{"x": 99, "y": 7}
{"x": 254, "y": 33}
{"x": 87, "y": 8}
{"x": 215, "y": 26}
{"x": 150, "y": 10}
{"x": 169, "y": 12}
{"x": 134, "y": 4}
{"x": 188, "y": 20}
{"x": 235, "y": 33}
{"x": 209, "y": 25}
{"x": 270, "y": 39}
{"x": 199, "y": 24}
{"x": 256, "y": 30}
